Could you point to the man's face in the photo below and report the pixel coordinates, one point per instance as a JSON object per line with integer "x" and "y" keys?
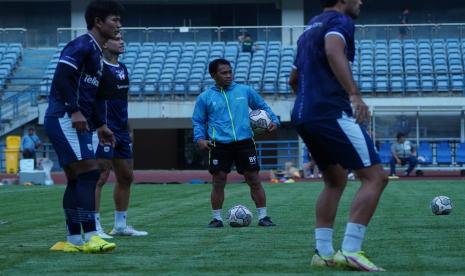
{"x": 31, "y": 132}
{"x": 110, "y": 27}
{"x": 223, "y": 76}
{"x": 115, "y": 45}
{"x": 353, "y": 8}
{"x": 401, "y": 139}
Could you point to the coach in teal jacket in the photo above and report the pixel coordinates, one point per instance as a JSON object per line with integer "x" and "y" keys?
{"x": 226, "y": 112}
{"x": 224, "y": 109}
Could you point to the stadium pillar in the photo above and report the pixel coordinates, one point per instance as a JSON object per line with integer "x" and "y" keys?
{"x": 78, "y": 23}
{"x": 292, "y": 14}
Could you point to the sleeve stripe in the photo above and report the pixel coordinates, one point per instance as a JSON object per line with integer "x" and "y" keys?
{"x": 294, "y": 67}
{"x": 69, "y": 63}
{"x": 338, "y": 34}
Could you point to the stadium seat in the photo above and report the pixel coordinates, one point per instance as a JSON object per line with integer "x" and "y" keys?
{"x": 443, "y": 153}
{"x": 460, "y": 153}
{"x": 425, "y": 151}
{"x": 385, "y": 152}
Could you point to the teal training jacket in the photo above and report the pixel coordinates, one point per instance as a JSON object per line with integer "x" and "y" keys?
{"x": 226, "y": 113}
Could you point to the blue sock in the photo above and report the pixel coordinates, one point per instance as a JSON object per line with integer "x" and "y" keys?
{"x": 353, "y": 237}
{"x": 85, "y": 191}
{"x": 73, "y": 224}
{"x": 324, "y": 241}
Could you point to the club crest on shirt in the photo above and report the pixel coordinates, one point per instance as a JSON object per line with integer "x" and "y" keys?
{"x": 121, "y": 75}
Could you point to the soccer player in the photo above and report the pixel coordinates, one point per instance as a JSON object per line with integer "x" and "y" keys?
{"x": 71, "y": 116}
{"x": 223, "y": 112}
{"x": 113, "y": 96}
{"x": 328, "y": 113}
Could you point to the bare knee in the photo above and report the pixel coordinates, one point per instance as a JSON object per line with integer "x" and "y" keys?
{"x": 253, "y": 180}
{"x": 126, "y": 179}
{"x": 219, "y": 181}
{"x": 104, "y": 174}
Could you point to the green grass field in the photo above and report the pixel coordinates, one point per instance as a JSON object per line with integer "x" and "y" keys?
{"x": 403, "y": 237}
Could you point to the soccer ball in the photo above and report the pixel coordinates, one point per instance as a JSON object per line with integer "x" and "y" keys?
{"x": 441, "y": 205}
{"x": 259, "y": 121}
{"x": 239, "y": 216}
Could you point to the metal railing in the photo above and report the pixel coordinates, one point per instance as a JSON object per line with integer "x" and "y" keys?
{"x": 287, "y": 34}
{"x": 14, "y": 35}
{"x": 274, "y": 154}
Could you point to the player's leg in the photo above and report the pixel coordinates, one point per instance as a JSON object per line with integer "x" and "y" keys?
{"x": 392, "y": 165}
{"x": 245, "y": 158}
{"x": 75, "y": 153}
{"x": 103, "y": 153}
{"x": 358, "y": 153}
{"x": 123, "y": 169}
{"x": 104, "y": 167}
{"x": 220, "y": 162}
{"x": 412, "y": 163}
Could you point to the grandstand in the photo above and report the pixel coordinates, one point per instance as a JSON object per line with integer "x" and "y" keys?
{"x": 420, "y": 77}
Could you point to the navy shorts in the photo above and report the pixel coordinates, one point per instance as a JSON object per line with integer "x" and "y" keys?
{"x": 242, "y": 153}
{"x": 69, "y": 144}
{"x": 340, "y": 141}
{"x": 122, "y": 149}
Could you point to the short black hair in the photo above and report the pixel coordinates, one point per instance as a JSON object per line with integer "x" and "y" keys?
{"x": 213, "y": 66}
{"x": 328, "y": 3}
{"x": 400, "y": 135}
{"x": 102, "y": 9}
{"x": 30, "y": 128}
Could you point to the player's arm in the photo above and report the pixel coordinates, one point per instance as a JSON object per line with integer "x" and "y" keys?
{"x": 66, "y": 82}
{"x": 257, "y": 102}
{"x": 199, "y": 123}
{"x": 335, "y": 53}
{"x": 293, "y": 80}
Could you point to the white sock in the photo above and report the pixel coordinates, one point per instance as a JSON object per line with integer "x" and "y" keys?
{"x": 353, "y": 237}
{"x": 217, "y": 214}
{"x": 98, "y": 226}
{"x": 120, "y": 219}
{"x": 261, "y": 212}
{"x": 75, "y": 239}
{"x": 324, "y": 241}
{"x": 89, "y": 235}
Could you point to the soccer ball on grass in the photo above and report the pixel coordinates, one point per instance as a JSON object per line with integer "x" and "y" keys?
{"x": 239, "y": 216}
{"x": 441, "y": 205}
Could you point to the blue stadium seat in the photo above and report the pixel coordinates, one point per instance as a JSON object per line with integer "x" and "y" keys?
{"x": 460, "y": 153}
{"x": 427, "y": 83}
{"x": 425, "y": 150}
{"x": 397, "y": 83}
{"x": 443, "y": 153}
{"x": 385, "y": 152}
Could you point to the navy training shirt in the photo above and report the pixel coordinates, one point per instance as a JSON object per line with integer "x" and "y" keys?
{"x": 320, "y": 96}
{"x": 84, "y": 55}
{"x": 113, "y": 91}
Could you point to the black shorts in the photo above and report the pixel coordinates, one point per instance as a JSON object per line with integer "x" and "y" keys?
{"x": 242, "y": 153}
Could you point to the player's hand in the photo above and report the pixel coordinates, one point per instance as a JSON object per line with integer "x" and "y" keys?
{"x": 204, "y": 144}
{"x": 106, "y": 136}
{"x": 398, "y": 161}
{"x": 79, "y": 122}
{"x": 361, "y": 112}
{"x": 272, "y": 127}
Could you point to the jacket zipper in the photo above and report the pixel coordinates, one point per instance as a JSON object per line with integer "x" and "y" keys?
{"x": 230, "y": 114}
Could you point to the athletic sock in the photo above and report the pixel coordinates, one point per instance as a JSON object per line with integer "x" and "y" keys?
{"x": 324, "y": 241}
{"x": 261, "y": 212}
{"x": 217, "y": 214}
{"x": 353, "y": 237}
{"x": 89, "y": 235}
{"x": 85, "y": 190}
{"x": 75, "y": 239}
{"x": 70, "y": 207}
{"x": 98, "y": 226}
{"x": 120, "y": 219}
